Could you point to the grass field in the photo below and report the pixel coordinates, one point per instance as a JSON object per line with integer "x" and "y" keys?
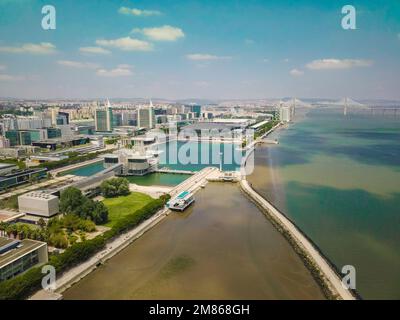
{"x": 119, "y": 207}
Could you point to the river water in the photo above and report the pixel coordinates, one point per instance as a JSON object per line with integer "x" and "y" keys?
{"x": 338, "y": 178}
{"x": 222, "y": 247}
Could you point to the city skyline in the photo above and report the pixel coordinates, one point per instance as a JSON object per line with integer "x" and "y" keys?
{"x": 205, "y": 50}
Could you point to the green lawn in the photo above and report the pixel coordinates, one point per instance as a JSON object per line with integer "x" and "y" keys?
{"x": 119, "y": 207}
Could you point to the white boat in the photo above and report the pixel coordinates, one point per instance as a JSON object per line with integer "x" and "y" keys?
{"x": 181, "y": 201}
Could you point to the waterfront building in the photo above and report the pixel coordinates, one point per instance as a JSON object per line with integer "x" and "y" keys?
{"x": 134, "y": 162}
{"x": 104, "y": 119}
{"x": 17, "y": 256}
{"x": 38, "y": 203}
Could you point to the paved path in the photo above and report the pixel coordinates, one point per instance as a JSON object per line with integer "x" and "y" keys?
{"x": 329, "y": 274}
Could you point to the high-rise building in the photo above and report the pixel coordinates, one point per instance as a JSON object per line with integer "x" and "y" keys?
{"x": 117, "y": 119}
{"x": 146, "y": 118}
{"x": 104, "y": 119}
{"x": 285, "y": 114}
{"x": 196, "y": 108}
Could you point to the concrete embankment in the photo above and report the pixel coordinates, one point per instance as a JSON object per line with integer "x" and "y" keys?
{"x": 320, "y": 268}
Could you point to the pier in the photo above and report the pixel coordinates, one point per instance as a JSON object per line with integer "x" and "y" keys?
{"x": 324, "y": 269}
{"x": 167, "y": 170}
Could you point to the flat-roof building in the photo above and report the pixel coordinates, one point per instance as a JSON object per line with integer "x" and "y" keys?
{"x": 38, "y": 203}
{"x": 20, "y": 176}
{"x": 17, "y": 256}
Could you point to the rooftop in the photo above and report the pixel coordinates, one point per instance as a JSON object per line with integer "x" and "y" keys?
{"x": 39, "y": 195}
{"x": 6, "y": 165}
{"x": 11, "y": 249}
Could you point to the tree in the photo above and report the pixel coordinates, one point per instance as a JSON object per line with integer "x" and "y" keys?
{"x": 87, "y": 208}
{"x": 100, "y": 213}
{"x": 71, "y": 200}
{"x": 115, "y": 187}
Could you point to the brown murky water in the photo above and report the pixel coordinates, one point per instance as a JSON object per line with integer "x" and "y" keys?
{"x": 221, "y": 248}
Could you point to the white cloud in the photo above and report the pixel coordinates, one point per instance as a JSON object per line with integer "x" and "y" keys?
{"x": 138, "y": 12}
{"x": 164, "y": 33}
{"x": 7, "y": 77}
{"x": 296, "y": 72}
{"x": 32, "y": 48}
{"x": 329, "y": 64}
{"x": 77, "y": 64}
{"x": 94, "y": 50}
{"x": 126, "y": 44}
{"x": 122, "y": 70}
{"x": 206, "y": 57}
{"x": 2, "y": 67}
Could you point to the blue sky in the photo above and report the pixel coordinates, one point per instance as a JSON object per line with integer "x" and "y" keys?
{"x": 199, "y": 49}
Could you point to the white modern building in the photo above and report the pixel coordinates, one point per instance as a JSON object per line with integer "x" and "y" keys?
{"x": 134, "y": 162}
{"x": 38, "y": 203}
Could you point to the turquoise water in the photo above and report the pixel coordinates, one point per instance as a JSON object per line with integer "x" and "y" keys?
{"x": 194, "y": 156}
{"x": 86, "y": 171}
{"x": 159, "y": 179}
{"x": 189, "y": 156}
{"x": 338, "y": 178}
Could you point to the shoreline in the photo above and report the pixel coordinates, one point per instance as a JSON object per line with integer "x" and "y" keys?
{"x": 77, "y": 273}
{"x": 320, "y": 267}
